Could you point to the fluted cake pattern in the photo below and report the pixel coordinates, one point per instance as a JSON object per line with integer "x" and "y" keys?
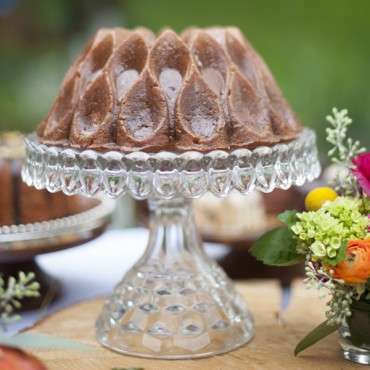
{"x": 205, "y": 89}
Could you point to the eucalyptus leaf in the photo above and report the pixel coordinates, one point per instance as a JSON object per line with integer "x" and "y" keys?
{"x": 320, "y": 332}
{"x": 289, "y": 218}
{"x": 277, "y": 248}
{"x": 37, "y": 340}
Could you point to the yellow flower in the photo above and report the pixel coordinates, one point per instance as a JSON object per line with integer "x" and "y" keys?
{"x": 316, "y": 198}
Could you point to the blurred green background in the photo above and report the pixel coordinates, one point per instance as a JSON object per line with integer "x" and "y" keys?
{"x": 318, "y": 50}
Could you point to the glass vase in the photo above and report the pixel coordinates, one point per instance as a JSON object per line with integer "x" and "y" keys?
{"x": 355, "y": 336}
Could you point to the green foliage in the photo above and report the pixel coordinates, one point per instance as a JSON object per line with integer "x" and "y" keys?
{"x": 343, "y": 151}
{"x": 289, "y": 218}
{"x": 277, "y": 248}
{"x": 13, "y": 291}
{"x": 320, "y": 332}
{"x": 344, "y": 147}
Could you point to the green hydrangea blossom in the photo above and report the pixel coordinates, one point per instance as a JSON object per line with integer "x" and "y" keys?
{"x": 322, "y": 233}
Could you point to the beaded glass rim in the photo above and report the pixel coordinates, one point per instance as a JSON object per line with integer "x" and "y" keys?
{"x": 79, "y": 222}
{"x": 167, "y": 175}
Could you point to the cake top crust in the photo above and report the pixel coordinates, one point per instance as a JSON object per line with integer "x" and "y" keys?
{"x": 205, "y": 89}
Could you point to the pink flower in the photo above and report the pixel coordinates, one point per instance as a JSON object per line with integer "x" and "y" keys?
{"x": 362, "y": 171}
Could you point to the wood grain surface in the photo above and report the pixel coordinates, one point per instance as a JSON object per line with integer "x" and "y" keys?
{"x": 271, "y": 349}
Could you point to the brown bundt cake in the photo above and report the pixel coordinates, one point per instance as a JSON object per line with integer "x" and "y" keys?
{"x": 203, "y": 90}
{"x": 20, "y": 204}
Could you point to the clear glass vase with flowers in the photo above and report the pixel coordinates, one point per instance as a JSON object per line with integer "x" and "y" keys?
{"x": 333, "y": 239}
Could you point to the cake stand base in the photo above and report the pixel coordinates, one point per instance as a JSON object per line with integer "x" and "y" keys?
{"x": 49, "y": 287}
{"x": 175, "y": 303}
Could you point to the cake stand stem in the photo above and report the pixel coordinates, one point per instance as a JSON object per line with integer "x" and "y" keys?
{"x": 175, "y": 302}
{"x": 173, "y": 237}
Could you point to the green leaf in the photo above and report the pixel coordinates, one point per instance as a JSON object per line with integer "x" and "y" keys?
{"x": 320, "y": 332}
{"x": 339, "y": 257}
{"x": 277, "y": 248}
{"x": 289, "y": 218}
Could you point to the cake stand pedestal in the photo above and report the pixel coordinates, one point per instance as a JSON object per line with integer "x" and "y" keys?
{"x": 20, "y": 244}
{"x": 175, "y": 302}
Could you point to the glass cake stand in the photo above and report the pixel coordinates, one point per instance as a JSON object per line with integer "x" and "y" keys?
{"x": 175, "y": 302}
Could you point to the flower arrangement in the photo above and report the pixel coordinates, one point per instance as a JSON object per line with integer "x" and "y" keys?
{"x": 332, "y": 238}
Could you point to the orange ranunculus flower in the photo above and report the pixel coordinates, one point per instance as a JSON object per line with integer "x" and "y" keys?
{"x": 355, "y": 268}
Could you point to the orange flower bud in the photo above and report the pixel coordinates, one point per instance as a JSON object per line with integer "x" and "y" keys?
{"x": 355, "y": 269}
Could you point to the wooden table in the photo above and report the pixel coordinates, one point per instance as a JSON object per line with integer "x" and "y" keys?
{"x": 272, "y": 348}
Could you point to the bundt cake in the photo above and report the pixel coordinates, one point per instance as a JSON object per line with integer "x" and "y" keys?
{"x": 20, "y": 204}
{"x": 203, "y": 90}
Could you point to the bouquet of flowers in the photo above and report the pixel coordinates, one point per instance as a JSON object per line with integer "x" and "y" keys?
{"x": 333, "y": 239}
